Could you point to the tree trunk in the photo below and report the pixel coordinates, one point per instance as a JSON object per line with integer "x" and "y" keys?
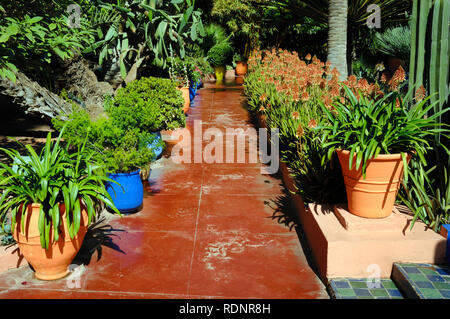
{"x": 337, "y": 36}
{"x": 35, "y": 99}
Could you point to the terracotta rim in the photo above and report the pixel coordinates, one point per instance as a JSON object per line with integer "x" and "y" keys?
{"x": 380, "y": 157}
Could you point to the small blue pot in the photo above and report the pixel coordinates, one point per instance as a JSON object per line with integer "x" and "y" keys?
{"x": 192, "y": 92}
{"x": 447, "y": 253}
{"x": 129, "y": 195}
{"x": 156, "y": 145}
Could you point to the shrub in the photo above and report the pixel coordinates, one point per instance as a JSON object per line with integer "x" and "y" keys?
{"x": 119, "y": 150}
{"x": 150, "y": 104}
{"x": 220, "y": 54}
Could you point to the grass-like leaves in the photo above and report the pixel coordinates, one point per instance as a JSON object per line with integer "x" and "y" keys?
{"x": 371, "y": 125}
{"x": 55, "y": 176}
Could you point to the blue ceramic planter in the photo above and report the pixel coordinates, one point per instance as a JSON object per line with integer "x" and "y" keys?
{"x": 191, "y": 93}
{"x": 129, "y": 196}
{"x": 447, "y": 254}
{"x": 156, "y": 145}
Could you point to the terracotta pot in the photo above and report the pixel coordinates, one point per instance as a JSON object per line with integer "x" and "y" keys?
{"x": 219, "y": 72}
{"x": 374, "y": 196}
{"x": 52, "y": 263}
{"x": 186, "y": 98}
{"x": 170, "y": 139}
{"x": 241, "y": 68}
{"x": 239, "y": 80}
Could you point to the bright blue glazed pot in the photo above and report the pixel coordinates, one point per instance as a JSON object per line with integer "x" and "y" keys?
{"x": 192, "y": 92}
{"x": 129, "y": 195}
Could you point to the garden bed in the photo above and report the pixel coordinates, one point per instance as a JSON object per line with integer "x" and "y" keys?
{"x": 348, "y": 251}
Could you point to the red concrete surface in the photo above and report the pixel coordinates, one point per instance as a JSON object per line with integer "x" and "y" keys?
{"x": 205, "y": 231}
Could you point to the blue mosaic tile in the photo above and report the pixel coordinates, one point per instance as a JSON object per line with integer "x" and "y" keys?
{"x": 362, "y": 292}
{"x": 443, "y": 271}
{"x": 423, "y": 281}
{"x": 358, "y": 288}
{"x": 411, "y": 270}
{"x": 342, "y": 284}
{"x": 394, "y": 293}
{"x": 435, "y": 278}
{"x": 423, "y": 284}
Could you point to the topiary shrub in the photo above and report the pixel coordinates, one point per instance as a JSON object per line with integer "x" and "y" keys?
{"x": 220, "y": 54}
{"x": 149, "y": 104}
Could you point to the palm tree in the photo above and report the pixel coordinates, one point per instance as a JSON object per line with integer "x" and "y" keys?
{"x": 337, "y": 36}
{"x": 392, "y": 12}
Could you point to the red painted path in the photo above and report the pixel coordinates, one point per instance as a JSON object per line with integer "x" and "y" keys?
{"x": 206, "y": 231}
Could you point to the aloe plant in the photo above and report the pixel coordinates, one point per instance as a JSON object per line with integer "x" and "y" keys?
{"x": 53, "y": 177}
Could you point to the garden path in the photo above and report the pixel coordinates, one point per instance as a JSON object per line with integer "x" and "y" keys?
{"x": 206, "y": 231}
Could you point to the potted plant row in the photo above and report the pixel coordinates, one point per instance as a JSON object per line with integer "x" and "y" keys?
{"x": 374, "y": 138}
{"x": 52, "y": 198}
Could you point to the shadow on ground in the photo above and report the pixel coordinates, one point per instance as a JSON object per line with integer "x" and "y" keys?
{"x": 284, "y": 213}
{"x": 99, "y": 235}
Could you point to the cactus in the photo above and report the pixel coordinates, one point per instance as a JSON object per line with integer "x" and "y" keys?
{"x": 430, "y": 50}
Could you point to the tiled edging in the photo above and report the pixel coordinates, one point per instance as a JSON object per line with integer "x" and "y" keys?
{"x": 422, "y": 281}
{"x": 349, "y": 288}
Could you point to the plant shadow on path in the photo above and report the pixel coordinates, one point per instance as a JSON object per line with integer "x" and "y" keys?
{"x": 99, "y": 235}
{"x": 284, "y": 213}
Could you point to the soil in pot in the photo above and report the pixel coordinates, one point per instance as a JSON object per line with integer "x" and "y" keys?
{"x": 374, "y": 196}
{"x": 52, "y": 263}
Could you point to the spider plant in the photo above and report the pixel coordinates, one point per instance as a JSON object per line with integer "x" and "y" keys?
{"x": 55, "y": 176}
{"x": 369, "y": 125}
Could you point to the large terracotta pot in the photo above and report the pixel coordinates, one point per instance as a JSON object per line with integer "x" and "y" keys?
{"x": 52, "y": 263}
{"x": 219, "y": 72}
{"x": 186, "y": 98}
{"x": 241, "y": 68}
{"x": 374, "y": 196}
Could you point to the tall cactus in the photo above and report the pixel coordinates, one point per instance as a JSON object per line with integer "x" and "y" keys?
{"x": 430, "y": 49}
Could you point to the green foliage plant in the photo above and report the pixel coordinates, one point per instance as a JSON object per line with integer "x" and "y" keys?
{"x": 149, "y": 104}
{"x": 395, "y": 42}
{"x": 371, "y": 125}
{"x": 31, "y": 43}
{"x": 141, "y": 29}
{"x": 118, "y": 150}
{"x": 220, "y": 54}
{"x": 53, "y": 177}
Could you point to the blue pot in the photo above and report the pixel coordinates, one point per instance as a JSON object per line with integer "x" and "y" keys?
{"x": 192, "y": 92}
{"x": 156, "y": 145}
{"x": 447, "y": 254}
{"x": 129, "y": 195}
